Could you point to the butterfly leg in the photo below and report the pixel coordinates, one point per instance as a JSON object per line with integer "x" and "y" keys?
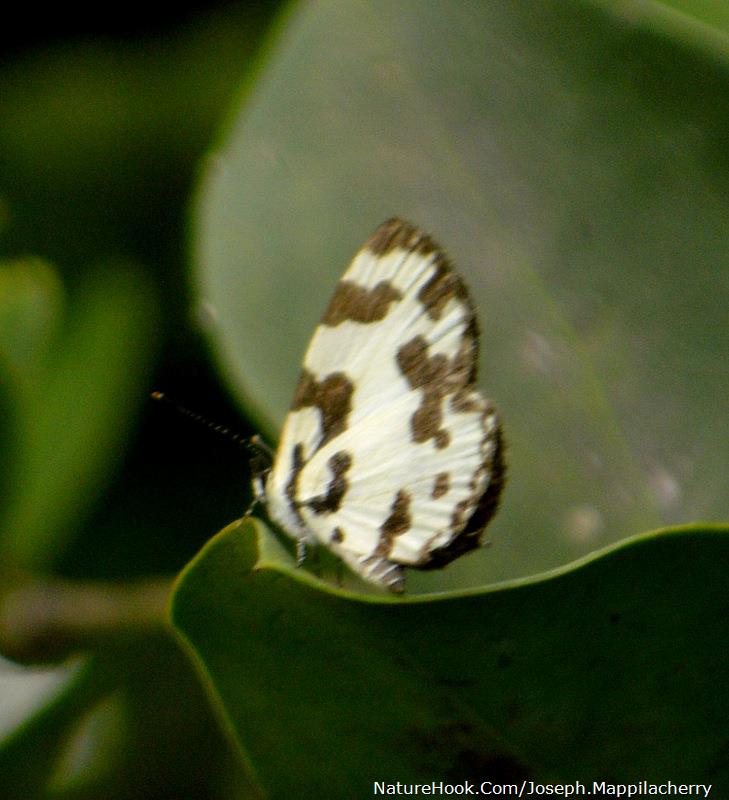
{"x": 259, "y": 492}
{"x": 260, "y": 465}
{"x": 300, "y": 552}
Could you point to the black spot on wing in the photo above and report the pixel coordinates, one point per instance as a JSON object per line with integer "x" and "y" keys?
{"x": 332, "y": 396}
{"x": 359, "y": 304}
{"x": 397, "y": 523}
{"x": 330, "y": 502}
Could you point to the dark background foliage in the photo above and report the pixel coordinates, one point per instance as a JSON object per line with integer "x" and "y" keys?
{"x": 106, "y": 116}
{"x": 112, "y": 114}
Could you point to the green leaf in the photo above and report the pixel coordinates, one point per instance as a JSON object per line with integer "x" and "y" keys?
{"x": 613, "y": 667}
{"x": 74, "y": 372}
{"x": 573, "y": 163}
{"x": 31, "y": 304}
{"x": 31, "y": 299}
{"x": 714, "y": 13}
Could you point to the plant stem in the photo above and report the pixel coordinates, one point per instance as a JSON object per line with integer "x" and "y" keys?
{"x": 48, "y": 620}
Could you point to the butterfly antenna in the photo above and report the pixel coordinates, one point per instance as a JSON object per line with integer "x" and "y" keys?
{"x": 254, "y": 444}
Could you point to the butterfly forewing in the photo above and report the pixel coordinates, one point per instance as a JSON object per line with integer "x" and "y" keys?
{"x": 390, "y": 456}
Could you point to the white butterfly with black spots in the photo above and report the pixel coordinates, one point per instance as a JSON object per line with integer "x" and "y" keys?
{"x": 390, "y": 456}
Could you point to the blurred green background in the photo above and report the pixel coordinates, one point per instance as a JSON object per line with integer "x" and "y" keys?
{"x": 179, "y": 192}
{"x": 106, "y": 116}
{"x": 103, "y": 133}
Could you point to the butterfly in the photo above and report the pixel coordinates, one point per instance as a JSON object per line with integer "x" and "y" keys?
{"x": 389, "y": 456}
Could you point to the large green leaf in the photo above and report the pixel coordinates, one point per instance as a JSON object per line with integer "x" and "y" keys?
{"x": 614, "y": 668}
{"x": 574, "y": 164}
{"x": 714, "y": 13}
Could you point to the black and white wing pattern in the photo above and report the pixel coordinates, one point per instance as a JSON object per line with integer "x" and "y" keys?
{"x": 390, "y": 455}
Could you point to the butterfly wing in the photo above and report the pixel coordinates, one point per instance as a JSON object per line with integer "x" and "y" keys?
{"x": 390, "y": 456}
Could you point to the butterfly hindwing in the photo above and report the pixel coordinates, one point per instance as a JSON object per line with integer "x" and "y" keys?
{"x": 390, "y": 456}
